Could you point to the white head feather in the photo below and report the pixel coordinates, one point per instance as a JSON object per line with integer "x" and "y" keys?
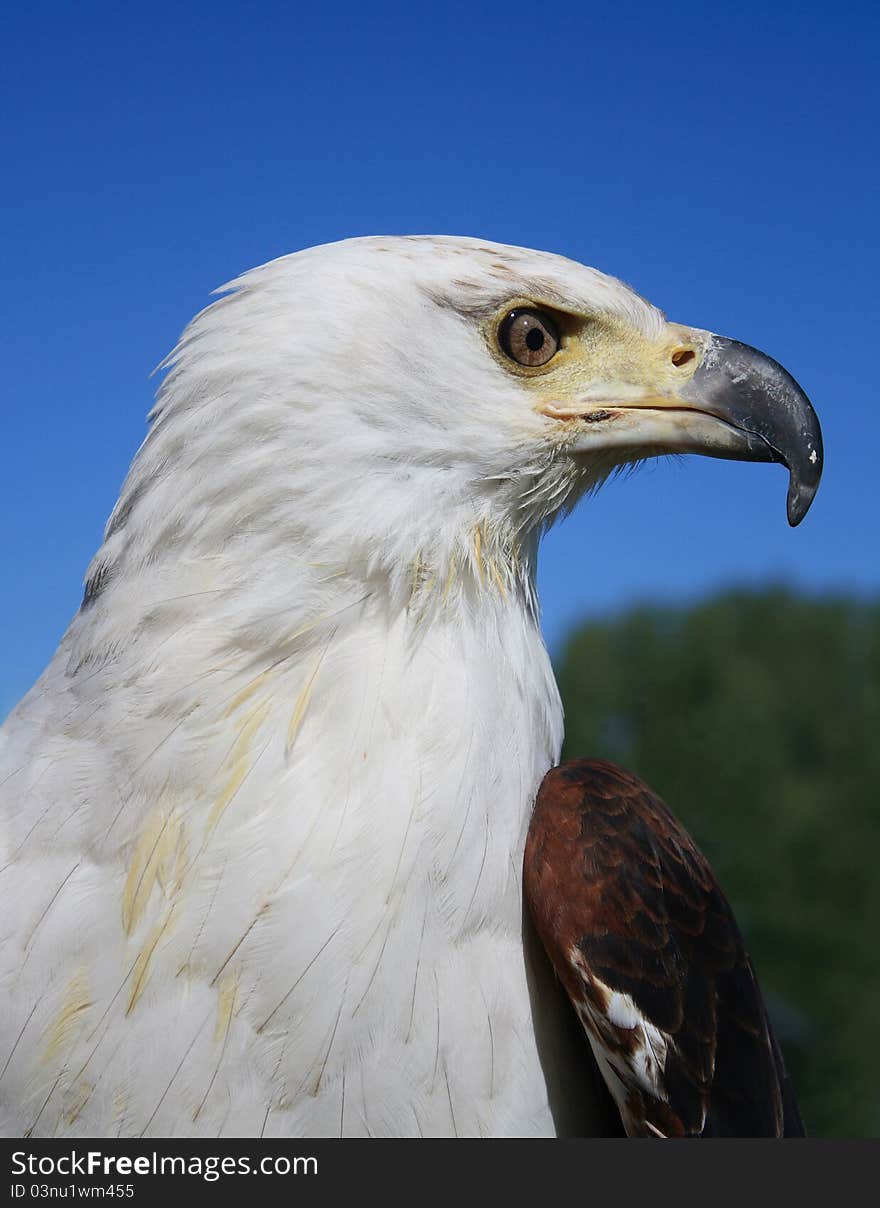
{"x": 342, "y": 402}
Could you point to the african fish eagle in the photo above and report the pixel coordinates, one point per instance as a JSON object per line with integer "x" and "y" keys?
{"x": 263, "y": 817}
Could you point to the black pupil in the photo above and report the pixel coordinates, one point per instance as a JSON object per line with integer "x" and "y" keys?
{"x": 535, "y": 339}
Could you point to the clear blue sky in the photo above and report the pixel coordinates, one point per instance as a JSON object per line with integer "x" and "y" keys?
{"x": 722, "y": 158}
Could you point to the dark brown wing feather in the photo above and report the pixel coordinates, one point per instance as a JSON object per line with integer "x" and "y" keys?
{"x": 649, "y": 952}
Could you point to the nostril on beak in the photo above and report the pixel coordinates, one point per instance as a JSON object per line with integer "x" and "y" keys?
{"x": 681, "y": 356}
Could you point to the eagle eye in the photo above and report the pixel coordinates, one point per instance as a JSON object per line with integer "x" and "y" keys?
{"x": 528, "y": 337}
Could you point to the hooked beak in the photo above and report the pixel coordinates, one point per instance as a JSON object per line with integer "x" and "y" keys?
{"x": 738, "y": 403}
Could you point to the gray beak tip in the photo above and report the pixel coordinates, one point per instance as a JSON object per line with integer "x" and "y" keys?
{"x": 805, "y": 473}
{"x": 754, "y": 394}
{"x": 801, "y": 494}
{"x": 798, "y": 503}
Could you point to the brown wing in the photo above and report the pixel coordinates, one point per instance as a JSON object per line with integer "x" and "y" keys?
{"x": 647, "y": 947}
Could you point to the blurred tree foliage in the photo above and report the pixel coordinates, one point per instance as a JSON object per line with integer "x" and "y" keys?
{"x": 756, "y": 716}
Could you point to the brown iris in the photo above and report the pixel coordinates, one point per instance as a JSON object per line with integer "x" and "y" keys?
{"x": 528, "y": 337}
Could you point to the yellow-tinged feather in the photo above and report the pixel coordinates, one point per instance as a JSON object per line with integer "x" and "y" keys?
{"x": 239, "y": 763}
{"x": 171, "y": 879}
{"x": 62, "y": 1030}
{"x": 304, "y": 629}
{"x": 496, "y": 575}
{"x": 141, "y": 969}
{"x": 159, "y": 856}
{"x": 247, "y": 691}
{"x": 478, "y": 552}
{"x": 77, "y": 1099}
{"x": 251, "y": 725}
{"x": 450, "y": 580}
{"x": 230, "y": 788}
{"x": 121, "y": 1098}
{"x": 302, "y": 703}
{"x": 228, "y": 992}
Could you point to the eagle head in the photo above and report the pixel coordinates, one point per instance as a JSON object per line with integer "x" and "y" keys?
{"x": 427, "y": 402}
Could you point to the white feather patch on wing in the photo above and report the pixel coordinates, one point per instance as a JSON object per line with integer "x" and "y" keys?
{"x": 641, "y": 1060}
